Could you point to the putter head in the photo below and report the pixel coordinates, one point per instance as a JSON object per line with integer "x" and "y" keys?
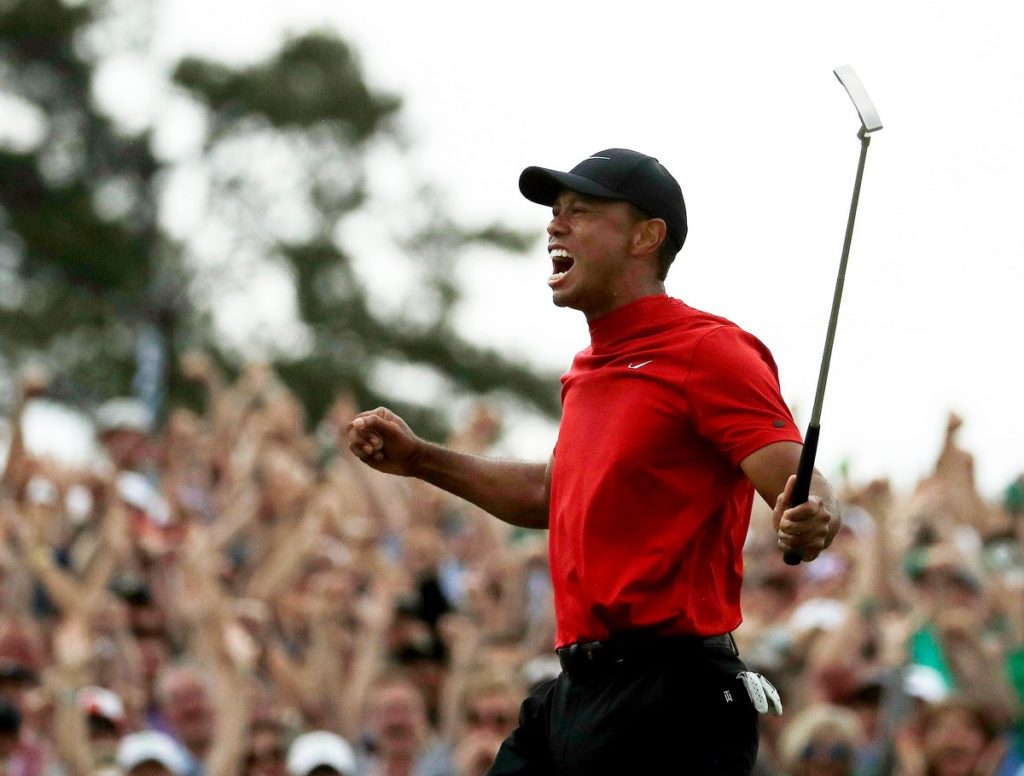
{"x": 870, "y": 122}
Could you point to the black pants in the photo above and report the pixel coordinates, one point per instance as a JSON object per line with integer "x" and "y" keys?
{"x": 670, "y": 710}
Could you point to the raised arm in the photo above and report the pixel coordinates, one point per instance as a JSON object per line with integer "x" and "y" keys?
{"x": 516, "y": 492}
{"x": 73, "y": 648}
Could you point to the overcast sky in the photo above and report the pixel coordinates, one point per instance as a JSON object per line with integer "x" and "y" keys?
{"x": 739, "y": 100}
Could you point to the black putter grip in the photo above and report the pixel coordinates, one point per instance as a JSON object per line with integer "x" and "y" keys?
{"x": 802, "y": 488}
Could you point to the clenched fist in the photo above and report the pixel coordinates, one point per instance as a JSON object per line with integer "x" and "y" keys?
{"x": 383, "y": 441}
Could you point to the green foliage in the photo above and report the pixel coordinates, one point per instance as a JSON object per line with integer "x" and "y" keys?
{"x": 38, "y": 31}
{"x": 313, "y": 79}
{"x": 312, "y": 94}
{"x": 85, "y": 264}
{"x": 70, "y": 272}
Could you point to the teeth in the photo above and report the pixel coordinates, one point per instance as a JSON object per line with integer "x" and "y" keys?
{"x": 560, "y": 257}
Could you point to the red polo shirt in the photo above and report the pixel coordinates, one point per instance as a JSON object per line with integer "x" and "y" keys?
{"x": 649, "y": 508}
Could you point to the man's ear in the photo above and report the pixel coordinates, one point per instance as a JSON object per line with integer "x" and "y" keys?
{"x": 648, "y": 236}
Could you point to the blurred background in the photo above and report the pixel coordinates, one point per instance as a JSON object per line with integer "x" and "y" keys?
{"x": 158, "y": 199}
{"x": 332, "y": 188}
{"x": 226, "y": 227}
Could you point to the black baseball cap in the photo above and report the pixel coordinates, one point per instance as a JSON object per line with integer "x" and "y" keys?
{"x": 615, "y": 173}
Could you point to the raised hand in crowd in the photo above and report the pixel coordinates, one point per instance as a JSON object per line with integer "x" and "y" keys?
{"x": 83, "y": 745}
{"x": 225, "y": 657}
{"x": 348, "y": 601}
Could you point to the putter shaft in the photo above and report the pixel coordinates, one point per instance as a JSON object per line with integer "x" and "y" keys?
{"x": 805, "y": 469}
{"x": 837, "y": 297}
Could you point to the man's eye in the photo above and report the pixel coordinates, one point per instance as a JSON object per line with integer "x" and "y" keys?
{"x": 571, "y": 210}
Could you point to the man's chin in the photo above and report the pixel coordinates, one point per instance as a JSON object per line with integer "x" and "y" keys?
{"x": 562, "y": 299}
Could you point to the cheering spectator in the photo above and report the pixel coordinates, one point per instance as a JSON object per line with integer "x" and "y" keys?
{"x": 321, "y": 753}
{"x": 820, "y": 741}
{"x": 211, "y": 590}
{"x": 150, "y": 753}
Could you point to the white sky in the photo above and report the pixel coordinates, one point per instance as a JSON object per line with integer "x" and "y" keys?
{"x": 737, "y": 99}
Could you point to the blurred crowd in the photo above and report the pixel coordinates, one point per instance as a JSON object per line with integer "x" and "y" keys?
{"x": 231, "y": 592}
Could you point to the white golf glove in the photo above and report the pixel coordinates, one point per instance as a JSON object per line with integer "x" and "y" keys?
{"x": 762, "y": 694}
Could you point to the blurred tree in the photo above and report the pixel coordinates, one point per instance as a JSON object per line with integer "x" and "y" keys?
{"x": 90, "y": 277}
{"x": 80, "y": 249}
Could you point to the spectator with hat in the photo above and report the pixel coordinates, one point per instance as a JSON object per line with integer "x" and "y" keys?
{"x": 150, "y": 753}
{"x": 106, "y": 721}
{"x": 321, "y": 753}
{"x": 124, "y": 426}
{"x": 89, "y": 720}
{"x": 313, "y": 581}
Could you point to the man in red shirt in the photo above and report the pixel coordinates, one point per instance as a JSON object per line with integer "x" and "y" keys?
{"x": 671, "y": 419}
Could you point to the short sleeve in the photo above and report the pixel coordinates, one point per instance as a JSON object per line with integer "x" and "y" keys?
{"x": 733, "y": 389}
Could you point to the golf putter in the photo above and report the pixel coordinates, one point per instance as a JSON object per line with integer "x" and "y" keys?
{"x": 869, "y": 122}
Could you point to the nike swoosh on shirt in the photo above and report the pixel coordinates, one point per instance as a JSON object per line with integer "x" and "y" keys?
{"x": 642, "y": 363}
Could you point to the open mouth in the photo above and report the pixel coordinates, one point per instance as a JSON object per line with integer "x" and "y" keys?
{"x": 561, "y": 263}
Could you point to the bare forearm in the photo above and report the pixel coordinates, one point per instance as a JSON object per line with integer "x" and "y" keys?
{"x": 14, "y": 472}
{"x": 283, "y": 562}
{"x": 59, "y": 585}
{"x": 804, "y": 529}
{"x": 71, "y": 736}
{"x": 231, "y": 731}
{"x": 513, "y": 491}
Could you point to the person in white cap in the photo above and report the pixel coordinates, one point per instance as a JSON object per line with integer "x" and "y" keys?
{"x": 321, "y": 753}
{"x": 151, "y": 753}
{"x": 123, "y": 426}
